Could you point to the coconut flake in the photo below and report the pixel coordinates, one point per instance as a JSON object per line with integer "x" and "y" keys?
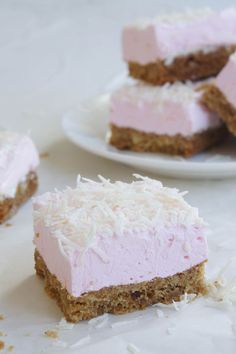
{"x": 184, "y": 301}
{"x": 60, "y": 343}
{"x": 64, "y": 325}
{"x": 133, "y": 348}
{"x": 78, "y": 217}
{"x": 160, "y": 313}
{"x": 171, "y": 330}
{"x": 119, "y": 324}
{"x": 81, "y": 342}
{"x": 222, "y": 292}
{"x": 174, "y": 18}
{"x": 99, "y": 322}
{"x": 234, "y": 327}
{"x": 178, "y": 305}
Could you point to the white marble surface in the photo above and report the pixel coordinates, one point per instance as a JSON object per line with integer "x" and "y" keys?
{"x": 53, "y": 54}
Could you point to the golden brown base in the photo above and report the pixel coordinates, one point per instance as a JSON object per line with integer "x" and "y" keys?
{"x": 123, "y": 298}
{"x": 131, "y": 139}
{"x": 214, "y": 99}
{"x": 9, "y": 206}
{"x": 195, "y": 66}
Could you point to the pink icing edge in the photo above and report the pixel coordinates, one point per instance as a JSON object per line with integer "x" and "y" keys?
{"x": 170, "y": 118}
{"x": 163, "y": 41}
{"x": 130, "y": 259}
{"x": 226, "y": 79}
{"x": 25, "y": 159}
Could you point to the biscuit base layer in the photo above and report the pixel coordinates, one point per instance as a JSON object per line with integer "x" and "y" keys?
{"x": 215, "y": 100}
{"x": 135, "y": 140}
{"x": 194, "y": 66}
{"x": 122, "y": 298}
{"x": 25, "y": 190}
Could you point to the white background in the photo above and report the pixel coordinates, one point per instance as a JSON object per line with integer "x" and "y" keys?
{"x": 53, "y": 54}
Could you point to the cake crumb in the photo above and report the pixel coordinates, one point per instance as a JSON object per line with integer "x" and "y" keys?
{"x": 8, "y": 224}
{"x": 44, "y": 155}
{"x": 10, "y": 348}
{"x": 2, "y": 345}
{"x": 1, "y": 317}
{"x": 51, "y": 334}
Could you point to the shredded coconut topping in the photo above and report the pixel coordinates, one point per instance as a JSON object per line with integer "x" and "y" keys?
{"x": 189, "y": 15}
{"x": 78, "y": 217}
{"x": 157, "y": 95}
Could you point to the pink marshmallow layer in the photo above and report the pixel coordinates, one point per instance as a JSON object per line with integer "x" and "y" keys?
{"x": 168, "y": 110}
{"x": 160, "y": 40}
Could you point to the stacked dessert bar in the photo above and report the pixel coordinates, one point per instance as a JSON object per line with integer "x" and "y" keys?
{"x": 163, "y": 110}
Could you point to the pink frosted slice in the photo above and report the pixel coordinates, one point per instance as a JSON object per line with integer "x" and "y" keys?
{"x": 161, "y": 39}
{"x": 128, "y": 241}
{"x": 169, "y": 109}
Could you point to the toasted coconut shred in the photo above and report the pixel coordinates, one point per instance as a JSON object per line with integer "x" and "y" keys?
{"x": 222, "y": 291}
{"x": 76, "y": 217}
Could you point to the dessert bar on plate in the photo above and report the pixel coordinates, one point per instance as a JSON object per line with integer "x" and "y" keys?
{"x": 188, "y": 46}
{"x": 220, "y": 96}
{"x": 117, "y": 247}
{"x": 18, "y": 180}
{"x": 169, "y": 119}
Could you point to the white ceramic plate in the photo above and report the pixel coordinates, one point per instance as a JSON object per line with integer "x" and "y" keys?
{"x": 88, "y": 129}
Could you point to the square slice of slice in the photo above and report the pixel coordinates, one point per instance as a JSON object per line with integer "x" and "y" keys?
{"x": 169, "y": 119}
{"x": 192, "y": 45}
{"x": 118, "y": 247}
